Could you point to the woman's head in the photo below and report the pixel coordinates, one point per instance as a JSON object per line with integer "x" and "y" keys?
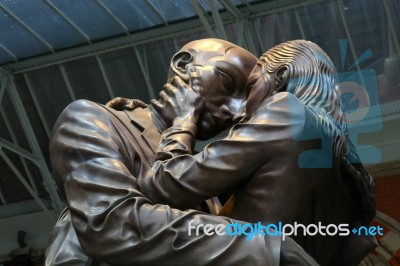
{"x": 299, "y": 67}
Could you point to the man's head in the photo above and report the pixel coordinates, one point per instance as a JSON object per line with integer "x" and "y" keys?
{"x": 223, "y": 68}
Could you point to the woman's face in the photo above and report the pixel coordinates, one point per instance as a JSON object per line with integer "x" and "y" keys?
{"x": 260, "y": 85}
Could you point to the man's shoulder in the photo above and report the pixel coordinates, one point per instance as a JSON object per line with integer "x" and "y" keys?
{"x": 83, "y": 105}
{"x": 88, "y": 112}
{"x": 282, "y": 106}
{"x": 84, "y": 113}
{"x": 86, "y": 109}
{"x": 285, "y": 100}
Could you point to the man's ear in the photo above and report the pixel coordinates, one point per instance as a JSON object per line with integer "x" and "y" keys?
{"x": 179, "y": 64}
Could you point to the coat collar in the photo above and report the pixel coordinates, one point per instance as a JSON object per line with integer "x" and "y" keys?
{"x": 141, "y": 119}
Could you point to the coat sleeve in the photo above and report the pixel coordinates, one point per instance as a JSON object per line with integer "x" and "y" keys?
{"x": 184, "y": 180}
{"x": 115, "y": 223}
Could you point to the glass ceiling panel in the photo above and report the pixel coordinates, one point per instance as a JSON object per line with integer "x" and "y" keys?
{"x": 136, "y": 15}
{"x": 45, "y": 22}
{"x": 18, "y": 40}
{"x": 207, "y": 7}
{"x": 90, "y": 18}
{"x": 174, "y": 10}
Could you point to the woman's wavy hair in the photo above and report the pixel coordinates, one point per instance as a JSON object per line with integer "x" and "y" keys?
{"x": 302, "y": 68}
{"x": 305, "y": 70}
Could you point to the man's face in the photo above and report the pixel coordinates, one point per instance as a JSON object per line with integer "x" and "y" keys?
{"x": 223, "y": 68}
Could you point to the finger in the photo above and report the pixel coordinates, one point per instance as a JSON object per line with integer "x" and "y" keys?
{"x": 139, "y": 103}
{"x": 169, "y": 89}
{"x": 164, "y": 96}
{"x": 114, "y": 102}
{"x": 195, "y": 80}
{"x": 130, "y": 105}
{"x": 157, "y": 105}
{"x": 178, "y": 82}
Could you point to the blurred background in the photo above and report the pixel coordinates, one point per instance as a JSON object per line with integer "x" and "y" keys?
{"x": 53, "y": 52}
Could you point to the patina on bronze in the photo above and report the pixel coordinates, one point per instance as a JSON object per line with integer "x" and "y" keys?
{"x": 293, "y": 108}
{"x": 99, "y": 156}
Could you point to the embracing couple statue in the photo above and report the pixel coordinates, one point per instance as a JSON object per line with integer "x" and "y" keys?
{"x": 138, "y": 193}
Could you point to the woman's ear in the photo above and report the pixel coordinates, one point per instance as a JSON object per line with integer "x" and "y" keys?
{"x": 281, "y": 78}
{"x": 180, "y": 62}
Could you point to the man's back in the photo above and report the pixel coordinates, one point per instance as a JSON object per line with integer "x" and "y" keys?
{"x": 87, "y": 139}
{"x": 301, "y": 177}
{"x": 282, "y": 163}
{"x": 97, "y": 163}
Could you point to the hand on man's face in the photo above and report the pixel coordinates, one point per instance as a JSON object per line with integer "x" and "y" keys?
{"x": 181, "y": 100}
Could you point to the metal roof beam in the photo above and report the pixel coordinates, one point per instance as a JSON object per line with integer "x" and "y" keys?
{"x": 248, "y": 37}
{"x": 232, "y": 8}
{"x": 158, "y": 33}
{"x": 72, "y": 24}
{"x": 18, "y": 150}
{"x": 113, "y": 16}
{"x": 4, "y": 81}
{"x": 18, "y": 174}
{"x": 5, "y": 49}
{"x": 155, "y": 10}
{"x": 218, "y": 20}
{"x": 392, "y": 28}
{"x": 33, "y": 143}
{"x": 104, "y": 46}
{"x": 2, "y": 199}
{"x": 16, "y": 142}
{"x": 37, "y": 105}
{"x": 67, "y": 82}
{"x": 27, "y": 28}
{"x": 105, "y": 77}
{"x": 300, "y": 24}
{"x": 145, "y": 72}
{"x": 203, "y": 18}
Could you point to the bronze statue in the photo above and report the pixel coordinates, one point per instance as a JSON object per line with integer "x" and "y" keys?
{"x": 100, "y": 155}
{"x": 288, "y": 160}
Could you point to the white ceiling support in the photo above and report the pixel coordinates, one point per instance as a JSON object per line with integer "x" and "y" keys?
{"x": 300, "y": 24}
{"x": 145, "y": 71}
{"x": 4, "y": 81}
{"x": 16, "y": 142}
{"x": 37, "y": 106}
{"x": 347, "y": 31}
{"x": 392, "y": 28}
{"x": 243, "y": 29}
{"x": 105, "y": 77}
{"x": 217, "y": 20}
{"x": 67, "y": 82}
{"x": 2, "y": 199}
{"x": 34, "y": 145}
{"x": 200, "y": 13}
{"x": 49, "y": 213}
{"x": 20, "y": 151}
